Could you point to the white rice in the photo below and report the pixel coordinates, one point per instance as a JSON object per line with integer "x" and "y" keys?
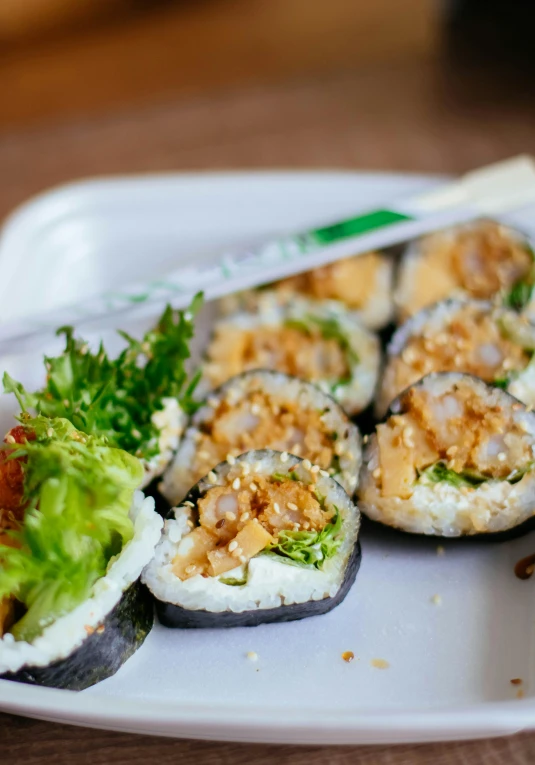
{"x": 180, "y": 476}
{"x": 270, "y": 583}
{"x": 170, "y": 421}
{"x": 67, "y": 633}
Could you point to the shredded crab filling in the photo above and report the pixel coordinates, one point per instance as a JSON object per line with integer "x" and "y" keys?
{"x": 263, "y": 421}
{"x": 457, "y": 430}
{"x": 240, "y": 519}
{"x": 351, "y": 281}
{"x": 472, "y": 341}
{"x": 481, "y": 260}
{"x": 286, "y": 349}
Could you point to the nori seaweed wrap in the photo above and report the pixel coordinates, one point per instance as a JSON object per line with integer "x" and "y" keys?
{"x": 74, "y": 538}
{"x": 454, "y": 457}
{"x": 319, "y": 342}
{"x": 267, "y": 537}
{"x": 264, "y": 409}
{"x": 482, "y": 260}
{"x": 471, "y": 336}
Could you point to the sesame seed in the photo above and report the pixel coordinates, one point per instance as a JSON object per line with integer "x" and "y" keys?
{"x": 296, "y": 527}
{"x": 325, "y": 473}
{"x": 244, "y": 517}
{"x": 245, "y": 469}
{"x": 232, "y": 546}
{"x": 306, "y": 525}
{"x": 9, "y": 439}
{"x": 365, "y": 439}
{"x": 296, "y": 449}
{"x": 212, "y": 476}
{"x": 255, "y": 409}
{"x": 436, "y": 600}
{"x": 190, "y": 569}
{"x": 315, "y": 469}
{"x": 291, "y": 506}
{"x": 252, "y": 656}
{"x": 257, "y": 467}
{"x": 237, "y": 552}
{"x": 501, "y": 457}
{"x": 307, "y": 464}
{"x": 50, "y": 432}
{"x": 236, "y": 483}
{"x": 190, "y": 524}
{"x": 230, "y": 516}
{"x": 284, "y": 457}
{"x": 213, "y": 402}
{"x": 188, "y": 503}
{"x": 230, "y": 459}
{"x": 243, "y": 559}
{"x": 65, "y": 402}
{"x": 253, "y": 487}
{"x": 377, "y": 473}
{"x": 276, "y": 508}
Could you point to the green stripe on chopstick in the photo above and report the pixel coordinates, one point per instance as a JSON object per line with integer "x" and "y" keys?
{"x": 359, "y": 225}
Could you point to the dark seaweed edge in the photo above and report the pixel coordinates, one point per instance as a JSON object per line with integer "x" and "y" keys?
{"x": 492, "y": 537}
{"x": 175, "y": 617}
{"x": 103, "y": 652}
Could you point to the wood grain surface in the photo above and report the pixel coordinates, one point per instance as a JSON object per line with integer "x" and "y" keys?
{"x": 415, "y": 116}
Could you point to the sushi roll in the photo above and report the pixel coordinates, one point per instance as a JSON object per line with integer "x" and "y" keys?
{"x": 139, "y": 401}
{"x": 481, "y": 260}
{"x": 264, "y": 409}
{"x": 266, "y": 538}
{"x": 472, "y": 336}
{"x": 362, "y": 283}
{"x": 75, "y": 535}
{"x": 322, "y": 343}
{"x": 454, "y": 457}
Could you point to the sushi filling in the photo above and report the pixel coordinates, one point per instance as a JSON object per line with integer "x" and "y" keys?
{"x": 479, "y": 260}
{"x": 455, "y": 457}
{"x": 266, "y": 530}
{"x": 266, "y": 410}
{"x": 325, "y": 345}
{"x": 362, "y": 283}
{"x": 491, "y": 344}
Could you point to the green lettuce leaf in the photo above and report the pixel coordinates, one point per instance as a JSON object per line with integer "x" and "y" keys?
{"x": 439, "y": 472}
{"x": 78, "y": 492}
{"x": 117, "y": 398}
{"x": 309, "y": 548}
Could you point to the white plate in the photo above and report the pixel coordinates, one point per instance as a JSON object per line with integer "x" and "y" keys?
{"x": 450, "y": 664}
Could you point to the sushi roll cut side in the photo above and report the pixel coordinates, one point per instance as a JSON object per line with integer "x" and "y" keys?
{"x": 454, "y": 457}
{"x": 475, "y": 337}
{"x": 75, "y": 536}
{"x": 362, "y": 283}
{"x": 479, "y": 260}
{"x": 267, "y": 537}
{"x": 324, "y": 344}
{"x": 264, "y": 409}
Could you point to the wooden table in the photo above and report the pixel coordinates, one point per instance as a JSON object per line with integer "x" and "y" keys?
{"x": 416, "y": 115}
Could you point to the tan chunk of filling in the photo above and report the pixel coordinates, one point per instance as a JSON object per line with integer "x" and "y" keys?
{"x": 471, "y": 342}
{"x": 262, "y": 421}
{"x": 351, "y": 280}
{"x": 481, "y": 261}
{"x": 235, "y": 524}
{"x": 458, "y": 428}
{"x": 285, "y": 349}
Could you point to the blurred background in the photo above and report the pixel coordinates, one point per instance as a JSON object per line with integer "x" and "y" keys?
{"x": 94, "y": 87}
